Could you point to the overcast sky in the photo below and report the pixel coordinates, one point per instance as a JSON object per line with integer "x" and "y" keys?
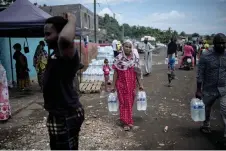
{"x": 202, "y": 16}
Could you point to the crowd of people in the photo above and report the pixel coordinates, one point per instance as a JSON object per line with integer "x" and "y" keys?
{"x": 211, "y": 81}
{"x": 211, "y": 74}
{"x": 66, "y": 113}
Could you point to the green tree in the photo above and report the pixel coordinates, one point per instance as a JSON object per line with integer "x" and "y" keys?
{"x": 212, "y": 35}
{"x": 195, "y": 35}
{"x": 114, "y": 30}
{"x": 112, "y": 27}
{"x": 183, "y": 34}
{"x": 208, "y": 37}
{"x": 127, "y": 30}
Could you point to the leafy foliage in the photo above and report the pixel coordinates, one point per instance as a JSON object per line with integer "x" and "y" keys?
{"x": 183, "y": 34}
{"x": 114, "y": 30}
{"x": 195, "y": 35}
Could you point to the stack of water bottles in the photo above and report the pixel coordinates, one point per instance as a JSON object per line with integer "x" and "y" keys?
{"x": 141, "y": 101}
{"x": 113, "y": 103}
{"x": 197, "y": 110}
{"x": 95, "y": 69}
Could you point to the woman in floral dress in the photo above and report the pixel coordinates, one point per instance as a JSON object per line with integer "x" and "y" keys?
{"x": 127, "y": 72}
{"x": 40, "y": 61}
{"x": 5, "y": 112}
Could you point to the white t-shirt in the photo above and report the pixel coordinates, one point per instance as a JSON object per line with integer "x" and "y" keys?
{"x": 114, "y": 45}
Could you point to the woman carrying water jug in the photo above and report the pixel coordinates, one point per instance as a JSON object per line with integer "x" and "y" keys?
{"x": 127, "y": 72}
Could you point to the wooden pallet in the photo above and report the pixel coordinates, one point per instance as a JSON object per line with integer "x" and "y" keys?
{"x": 89, "y": 86}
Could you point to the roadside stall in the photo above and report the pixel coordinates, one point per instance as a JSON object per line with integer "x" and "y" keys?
{"x": 14, "y": 24}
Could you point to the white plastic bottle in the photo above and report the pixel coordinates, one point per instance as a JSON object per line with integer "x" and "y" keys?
{"x": 112, "y": 102}
{"x": 166, "y": 60}
{"x": 202, "y": 112}
{"x": 144, "y": 102}
{"x": 176, "y": 60}
{"x": 195, "y": 105}
{"x": 141, "y": 101}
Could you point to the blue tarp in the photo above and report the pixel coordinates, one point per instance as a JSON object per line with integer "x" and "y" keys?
{"x": 23, "y": 12}
{"x": 23, "y": 19}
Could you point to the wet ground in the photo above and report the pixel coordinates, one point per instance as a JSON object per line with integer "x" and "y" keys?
{"x": 167, "y": 106}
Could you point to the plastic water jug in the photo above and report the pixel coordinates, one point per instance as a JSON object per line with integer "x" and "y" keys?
{"x": 166, "y": 60}
{"x": 176, "y": 60}
{"x": 197, "y": 110}
{"x": 113, "y": 102}
{"x": 141, "y": 101}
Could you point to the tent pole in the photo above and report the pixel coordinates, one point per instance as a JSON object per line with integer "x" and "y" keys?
{"x": 48, "y": 51}
{"x": 80, "y": 58}
{"x": 11, "y": 59}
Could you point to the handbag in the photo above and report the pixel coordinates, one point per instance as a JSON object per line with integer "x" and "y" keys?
{"x": 26, "y": 48}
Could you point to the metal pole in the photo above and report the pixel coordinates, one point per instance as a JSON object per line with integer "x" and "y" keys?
{"x": 123, "y": 32}
{"x": 11, "y": 59}
{"x": 95, "y": 29}
{"x": 80, "y": 57}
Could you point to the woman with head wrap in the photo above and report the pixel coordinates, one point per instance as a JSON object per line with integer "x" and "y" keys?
{"x": 127, "y": 73}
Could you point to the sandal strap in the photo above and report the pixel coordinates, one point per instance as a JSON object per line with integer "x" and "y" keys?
{"x": 126, "y": 128}
{"x": 205, "y": 129}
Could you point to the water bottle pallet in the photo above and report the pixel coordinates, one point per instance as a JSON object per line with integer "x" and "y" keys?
{"x": 90, "y": 86}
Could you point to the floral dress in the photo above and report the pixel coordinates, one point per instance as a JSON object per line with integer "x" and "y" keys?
{"x": 5, "y": 111}
{"x": 40, "y": 61}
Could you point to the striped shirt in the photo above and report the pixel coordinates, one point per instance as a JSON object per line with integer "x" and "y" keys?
{"x": 212, "y": 73}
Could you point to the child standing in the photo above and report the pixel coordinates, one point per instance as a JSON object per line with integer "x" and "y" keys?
{"x": 106, "y": 69}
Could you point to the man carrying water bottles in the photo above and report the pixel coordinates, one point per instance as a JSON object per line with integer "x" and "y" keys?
{"x": 211, "y": 81}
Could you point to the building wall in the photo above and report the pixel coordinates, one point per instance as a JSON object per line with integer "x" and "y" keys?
{"x": 85, "y": 18}
{"x": 5, "y": 55}
{"x": 88, "y": 18}
{"x": 60, "y": 9}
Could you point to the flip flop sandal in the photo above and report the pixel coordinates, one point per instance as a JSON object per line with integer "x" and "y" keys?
{"x": 206, "y": 130}
{"x": 126, "y": 128}
{"x": 133, "y": 127}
